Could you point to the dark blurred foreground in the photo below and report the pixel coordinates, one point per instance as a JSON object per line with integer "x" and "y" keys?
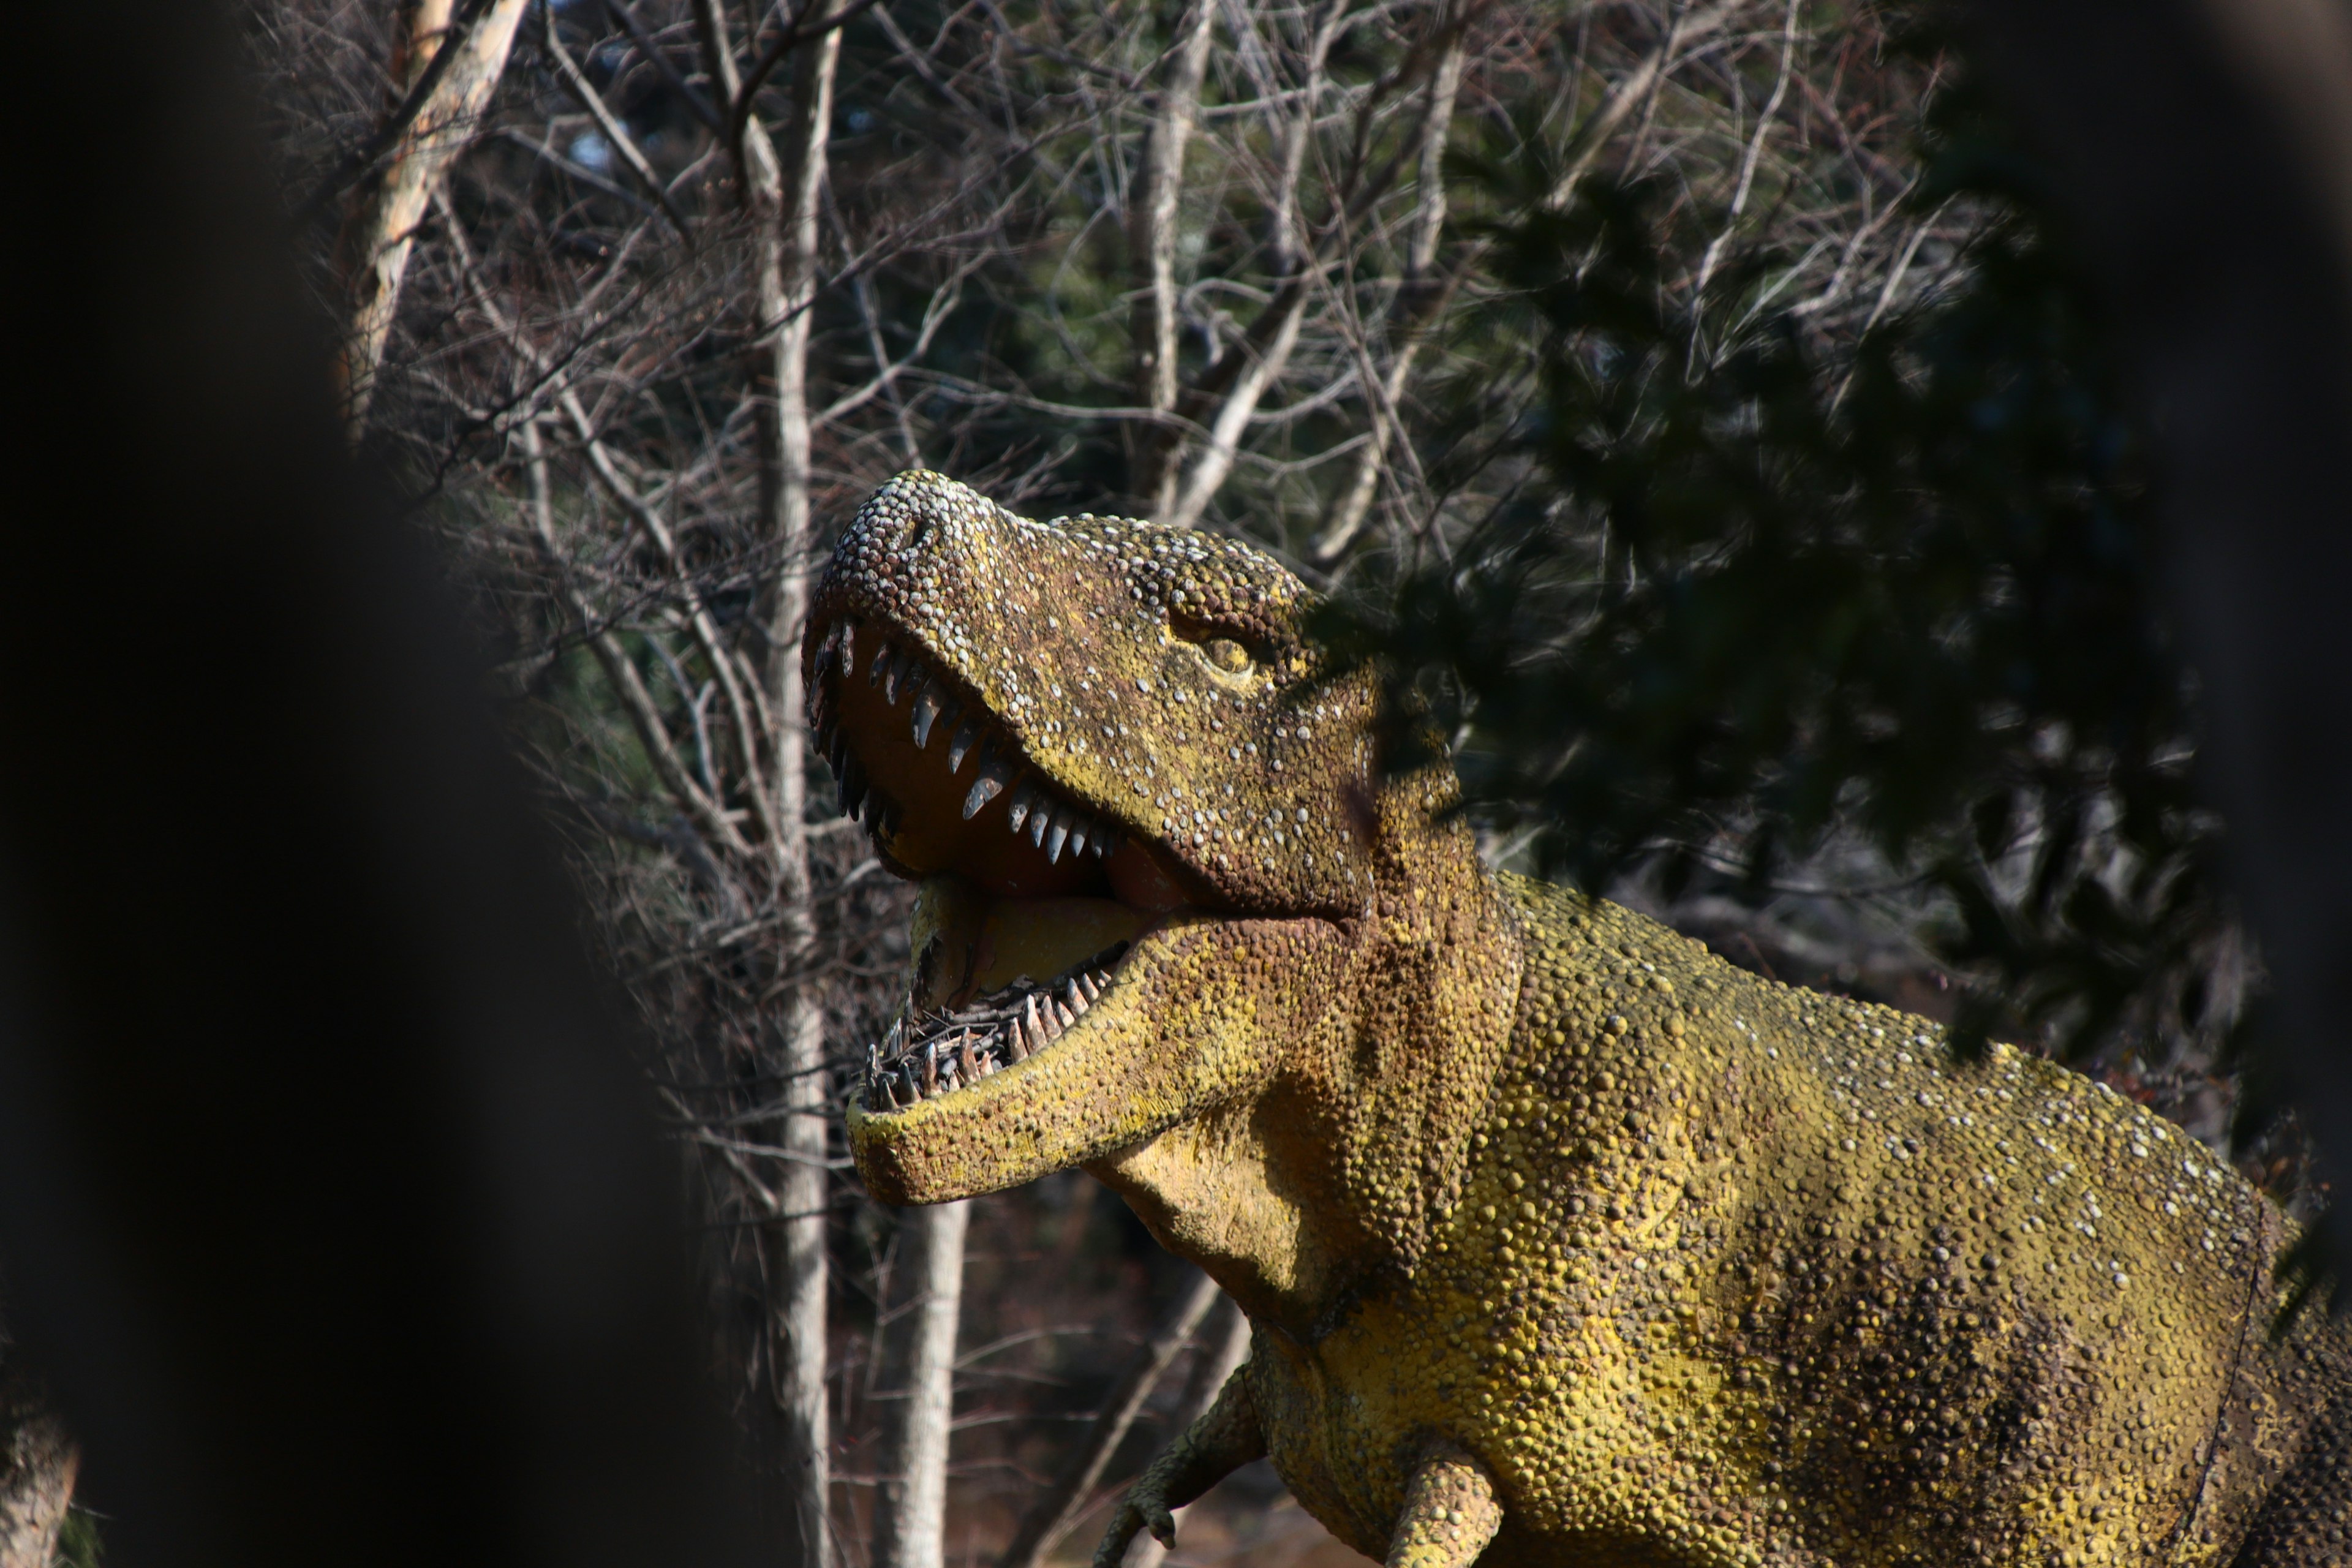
{"x": 2204, "y": 153}
{"x": 331, "y": 1214}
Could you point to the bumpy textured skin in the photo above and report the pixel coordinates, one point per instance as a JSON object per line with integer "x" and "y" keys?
{"x": 1683, "y": 1266}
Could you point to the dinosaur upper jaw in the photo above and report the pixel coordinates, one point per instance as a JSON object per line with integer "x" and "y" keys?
{"x": 1071, "y": 990}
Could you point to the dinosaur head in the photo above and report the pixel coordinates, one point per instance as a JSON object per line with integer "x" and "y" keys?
{"x": 1138, "y": 819}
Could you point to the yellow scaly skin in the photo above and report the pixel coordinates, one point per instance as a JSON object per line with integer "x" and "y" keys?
{"x": 1561, "y": 1240}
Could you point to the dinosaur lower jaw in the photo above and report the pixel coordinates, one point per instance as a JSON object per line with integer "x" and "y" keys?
{"x": 994, "y": 980}
{"x": 1192, "y": 1015}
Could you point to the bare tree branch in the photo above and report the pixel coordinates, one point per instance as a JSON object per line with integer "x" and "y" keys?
{"x": 1051, "y": 1516}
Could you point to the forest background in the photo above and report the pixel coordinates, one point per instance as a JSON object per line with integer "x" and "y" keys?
{"x": 1687, "y": 401}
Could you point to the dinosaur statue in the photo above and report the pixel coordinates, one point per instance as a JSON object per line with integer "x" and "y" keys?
{"x": 1561, "y": 1240}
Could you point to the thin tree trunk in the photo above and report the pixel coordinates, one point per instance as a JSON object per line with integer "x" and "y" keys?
{"x": 386, "y": 232}
{"x": 803, "y": 1136}
{"x": 1151, "y": 251}
{"x": 912, "y": 1528}
{"x": 1225, "y": 1345}
{"x": 1418, "y": 299}
{"x": 1051, "y": 1516}
{"x": 780, "y": 189}
{"x": 1286, "y": 256}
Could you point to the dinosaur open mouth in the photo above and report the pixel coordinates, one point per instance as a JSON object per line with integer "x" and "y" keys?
{"x": 1031, "y": 897}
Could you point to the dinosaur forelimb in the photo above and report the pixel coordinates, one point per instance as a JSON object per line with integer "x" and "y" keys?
{"x": 1222, "y": 1441}
{"x": 1449, "y": 1513}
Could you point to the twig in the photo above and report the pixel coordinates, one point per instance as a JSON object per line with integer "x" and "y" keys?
{"x": 614, "y": 132}
{"x": 699, "y": 105}
{"x": 1051, "y": 1516}
{"x": 793, "y": 35}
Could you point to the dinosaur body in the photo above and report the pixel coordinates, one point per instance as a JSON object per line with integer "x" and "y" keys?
{"x": 1562, "y": 1241}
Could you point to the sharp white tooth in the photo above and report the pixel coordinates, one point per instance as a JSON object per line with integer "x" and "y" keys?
{"x": 1058, "y": 835}
{"x": 958, "y": 747}
{"x": 1063, "y": 1017}
{"x": 1018, "y": 808}
{"x": 848, "y": 649}
{"x": 1104, "y": 841}
{"x": 931, "y": 1068}
{"x": 1080, "y": 825}
{"x": 881, "y": 667}
{"x": 993, "y": 777}
{"x": 927, "y": 712}
{"x": 1020, "y": 1047}
{"x": 964, "y": 1059}
{"x": 1041, "y": 817}
{"x": 1087, "y": 980}
{"x": 903, "y": 673}
{"x": 1040, "y": 1026}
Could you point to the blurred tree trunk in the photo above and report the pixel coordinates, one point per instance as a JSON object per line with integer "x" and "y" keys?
{"x": 912, "y": 1530}
{"x": 38, "y": 1462}
{"x": 2204, "y": 150}
{"x": 384, "y": 231}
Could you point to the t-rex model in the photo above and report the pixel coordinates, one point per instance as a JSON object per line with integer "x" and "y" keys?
{"x": 1561, "y": 1240}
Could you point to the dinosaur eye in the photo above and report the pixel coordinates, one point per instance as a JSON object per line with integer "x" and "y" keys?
{"x": 1227, "y": 655}
{"x": 1228, "y": 648}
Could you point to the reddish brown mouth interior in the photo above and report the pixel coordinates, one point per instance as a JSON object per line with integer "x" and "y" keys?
{"x": 915, "y": 810}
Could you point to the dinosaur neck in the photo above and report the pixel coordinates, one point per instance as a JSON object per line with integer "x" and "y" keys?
{"x": 1302, "y": 1195}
